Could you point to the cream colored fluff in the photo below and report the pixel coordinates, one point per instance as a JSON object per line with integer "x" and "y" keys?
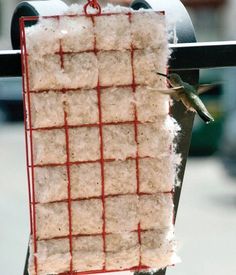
{"x": 78, "y": 73}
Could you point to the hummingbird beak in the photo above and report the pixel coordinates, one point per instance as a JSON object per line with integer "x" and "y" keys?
{"x": 165, "y": 75}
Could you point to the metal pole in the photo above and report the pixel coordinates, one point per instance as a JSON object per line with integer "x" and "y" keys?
{"x": 185, "y": 56}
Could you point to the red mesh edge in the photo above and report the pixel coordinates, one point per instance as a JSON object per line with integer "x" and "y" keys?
{"x": 29, "y": 149}
{"x": 29, "y": 144}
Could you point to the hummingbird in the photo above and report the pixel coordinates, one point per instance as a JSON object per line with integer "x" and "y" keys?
{"x": 188, "y": 94}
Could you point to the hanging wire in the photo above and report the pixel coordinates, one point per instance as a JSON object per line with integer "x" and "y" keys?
{"x": 94, "y": 4}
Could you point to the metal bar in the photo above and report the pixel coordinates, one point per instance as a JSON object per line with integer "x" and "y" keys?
{"x": 10, "y": 63}
{"x": 191, "y": 56}
{"x": 185, "y": 56}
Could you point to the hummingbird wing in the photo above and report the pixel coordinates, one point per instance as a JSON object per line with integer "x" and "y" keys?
{"x": 205, "y": 88}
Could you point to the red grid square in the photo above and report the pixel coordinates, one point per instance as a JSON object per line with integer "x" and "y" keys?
{"x": 66, "y": 127}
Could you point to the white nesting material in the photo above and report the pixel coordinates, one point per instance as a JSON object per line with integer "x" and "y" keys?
{"x": 52, "y": 220}
{"x": 146, "y": 63}
{"x": 50, "y": 184}
{"x": 82, "y": 107}
{"x": 115, "y": 68}
{"x": 158, "y": 248}
{"x": 88, "y": 253}
{"x": 84, "y": 143}
{"x": 87, "y": 216}
{"x": 49, "y": 146}
{"x": 113, "y": 32}
{"x": 154, "y": 139}
{"x": 155, "y": 211}
{"x": 110, "y": 8}
{"x": 117, "y": 104}
{"x": 42, "y": 74}
{"x": 121, "y": 213}
{"x": 74, "y": 9}
{"x": 85, "y": 180}
{"x": 151, "y": 105}
{"x": 156, "y": 174}
{"x": 122, "y": 251}
{"x": 155, "y": 34}
{"x": 71, "y": 71}
{"x": 80, "y": 71}
{"x": 120, "y": 177}
{"x": 76, "y": 33}
{"x": 52, "y": 256}
{"x": 119, "y": 142}
{"x": 43, "y": 38}
{"x": 47, "y": 109}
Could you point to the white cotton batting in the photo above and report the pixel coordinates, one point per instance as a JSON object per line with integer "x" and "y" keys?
{"x": 147, "y": 63}
{"x": 122, "y": 213}
{"x": 41, "y": 72}
{"x": 76, "y": 34}
{"x": 122, "y": 251}
{"x": 154, "y": 139}
{"x": 117, "y": 104}
{"x": 155, "y": 35}
{"x": 106, "y": 170}
{"x": 84, "y": 144}
{"x": 117, "y": 26}
{"x": 53, "y": 256}
{"x": 155, "y": 211}
{"x": 151, "y": 105}
{"x": 88, "y": 253}
{"x": 156, "y": 174}
{"x": 119, "y": 142}
{"x": 120, "y": 177}
{"x": 87, "y": 216}
{"x": 80, "y": 71}
{"x": 49, "y": 146}
{"x": 114, "y": 68}
{"x": 158, "y": 248}
{"x": 81, "y": 107}
{"x": 52, "y": 220}
{"x": 47, "y": 30}
{"x": 47, "y": 109}
{"x": 85, "y": 180}
{"x": 51, "y": 184}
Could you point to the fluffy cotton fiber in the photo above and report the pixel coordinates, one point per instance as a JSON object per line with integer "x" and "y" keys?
{"x": 49, "y": 146}
{"x": 112, "y": 99}
{"x": 105, "y": 171}
{"x": 50, "y": 184}
{"x": 122, "y": 251}
{"x": 53, "y": 257}
{"x": 88, "y": 253}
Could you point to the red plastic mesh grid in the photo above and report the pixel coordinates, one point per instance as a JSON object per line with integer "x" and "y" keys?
{"x": 30, "y": 157}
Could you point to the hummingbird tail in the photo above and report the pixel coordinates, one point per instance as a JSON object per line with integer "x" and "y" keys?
{"x": 205, "y": 116}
